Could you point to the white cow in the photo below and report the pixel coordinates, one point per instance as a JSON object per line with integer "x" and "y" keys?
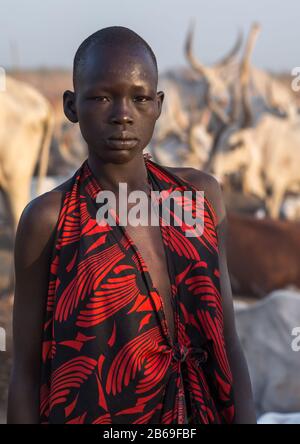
{"x": 181, "y": 136}
{"x": 268, "y": 156}
{"x": 265, "y": 155}
{"x": 269, "y": 334}
{"x": 279, "y": 418}
{"x": 26, "y": 125}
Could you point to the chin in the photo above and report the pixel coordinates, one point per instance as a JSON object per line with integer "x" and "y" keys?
{"x": 118, "y": 156}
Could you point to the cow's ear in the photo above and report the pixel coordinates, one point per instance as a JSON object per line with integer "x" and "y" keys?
{"x": 69, "y": 106}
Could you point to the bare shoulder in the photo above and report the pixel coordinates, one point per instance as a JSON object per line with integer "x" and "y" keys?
{"x": 204, "y": 182}
{"x": 44, "y": 210}
{"x": 38, "y": 221}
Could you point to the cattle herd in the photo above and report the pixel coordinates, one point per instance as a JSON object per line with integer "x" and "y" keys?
{"x": 242, "y": 125}
{"x": 235, "y": 121}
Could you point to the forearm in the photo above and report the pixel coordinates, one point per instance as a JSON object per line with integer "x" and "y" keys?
{"x": 244, "y": 404}
{"x": 23, "y": 402}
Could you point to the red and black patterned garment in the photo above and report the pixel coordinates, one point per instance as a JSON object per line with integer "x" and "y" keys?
{"x": 107, "y": 355}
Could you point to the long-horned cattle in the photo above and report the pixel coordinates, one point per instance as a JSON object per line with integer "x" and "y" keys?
{"x": 25, "y": 134}
{"x": 181, "y": 135}
{"x": 267, "y": 154}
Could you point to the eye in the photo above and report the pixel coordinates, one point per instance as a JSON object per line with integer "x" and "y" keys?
{"x": 101, "y": 99}
{"x": 142, "y": 99}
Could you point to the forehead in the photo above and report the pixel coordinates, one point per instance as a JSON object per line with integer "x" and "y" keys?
{"x": 117, "y": 66}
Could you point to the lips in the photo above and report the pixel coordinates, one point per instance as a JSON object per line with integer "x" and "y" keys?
{"x": 122, "y": 142}
{"x": 122, "y": 136}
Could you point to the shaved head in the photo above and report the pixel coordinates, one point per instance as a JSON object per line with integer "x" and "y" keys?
{"x": 113, "y": 37}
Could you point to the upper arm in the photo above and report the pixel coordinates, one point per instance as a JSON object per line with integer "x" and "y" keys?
{"x": 214, "y": 194}
{"x": 34, "y": 240}
{"x": 32, "y": 252}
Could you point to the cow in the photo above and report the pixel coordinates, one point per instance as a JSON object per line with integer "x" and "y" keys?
{"x": 263, "y": 254}
{"x": 269, "y": 155}
{"x": 25, "y": 134}
{"x": 269, "y": 335}
{"x": 182, "y": 129}
{"x": 265, "y": 152}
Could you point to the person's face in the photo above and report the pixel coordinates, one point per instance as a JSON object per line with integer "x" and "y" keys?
{"x": 115, "y": 97}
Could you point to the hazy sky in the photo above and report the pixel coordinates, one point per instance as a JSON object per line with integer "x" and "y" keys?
{"x": 47, "y": 33}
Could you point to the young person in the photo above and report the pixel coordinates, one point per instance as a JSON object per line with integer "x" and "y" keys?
{"x": 123, "y": 324}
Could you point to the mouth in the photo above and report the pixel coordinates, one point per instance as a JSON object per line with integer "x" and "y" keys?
{"x": 122, "y": 142}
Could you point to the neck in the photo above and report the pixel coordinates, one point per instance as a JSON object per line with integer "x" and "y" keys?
{"x": 109, "y": 175}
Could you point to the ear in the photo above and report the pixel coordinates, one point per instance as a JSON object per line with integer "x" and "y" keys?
{"x": 69, "y": 106}
{"x": 160, "y": 98}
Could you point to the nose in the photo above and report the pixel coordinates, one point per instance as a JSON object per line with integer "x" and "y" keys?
{"x": 121, "y": 114}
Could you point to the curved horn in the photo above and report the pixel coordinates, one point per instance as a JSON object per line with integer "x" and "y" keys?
{"x": 245, "y": 72}
{"x": 245, "y": 65}
{"x": 195, "y": 64}
{"x": 231, "y": 56}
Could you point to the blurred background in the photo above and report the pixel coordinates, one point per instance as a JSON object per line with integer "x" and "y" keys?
{"x": 229, "y": 72}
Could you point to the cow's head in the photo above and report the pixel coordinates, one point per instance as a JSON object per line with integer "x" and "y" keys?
{"x": 216, "y": 76}
{"x": 234, "y": 156}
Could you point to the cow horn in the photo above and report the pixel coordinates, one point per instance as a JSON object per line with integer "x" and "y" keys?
{"x": 231, "y": 56}
{"x": 245, "y": 73}
{"x": 195, "y": 64}
{"x": 245, "y": 65}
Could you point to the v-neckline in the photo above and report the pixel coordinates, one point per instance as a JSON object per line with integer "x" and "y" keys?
{"x": 140, "y": 258}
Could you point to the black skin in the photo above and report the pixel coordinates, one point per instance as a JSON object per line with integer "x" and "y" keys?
{"x": 121, "y": 71}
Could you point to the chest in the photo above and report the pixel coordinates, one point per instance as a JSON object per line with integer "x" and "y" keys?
{"x": 149, "y": 243}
